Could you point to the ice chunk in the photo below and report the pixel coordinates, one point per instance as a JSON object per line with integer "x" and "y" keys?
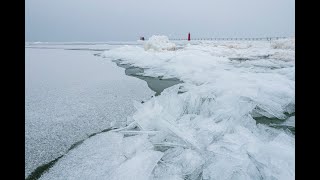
{"x": 138, "y": 167}
{"x": 244, "y": 156}
{"x": 134, "y": 144}
{"x": 179, "y": 161}
{"x": 155, "y": 119}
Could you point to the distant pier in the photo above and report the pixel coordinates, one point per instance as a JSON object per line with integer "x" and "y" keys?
{"x": 229, "y": 39}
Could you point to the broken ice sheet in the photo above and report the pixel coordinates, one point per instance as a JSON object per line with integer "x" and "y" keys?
{"x": 107, "y": 156}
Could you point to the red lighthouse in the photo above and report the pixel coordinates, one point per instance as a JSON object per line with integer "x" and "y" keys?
{"x": 188, "y": 36}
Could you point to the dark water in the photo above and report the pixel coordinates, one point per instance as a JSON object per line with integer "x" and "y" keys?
{"x": 157, "y": 84}
{"x": 276, "y": 123}
{"x": 249, "y": 58}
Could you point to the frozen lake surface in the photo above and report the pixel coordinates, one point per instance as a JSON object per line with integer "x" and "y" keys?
{"x": 231, "y": 116}
{"x": 70, "y": 95}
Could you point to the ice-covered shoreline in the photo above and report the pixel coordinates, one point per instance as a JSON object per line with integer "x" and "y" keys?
{"x": 208, "y": 121}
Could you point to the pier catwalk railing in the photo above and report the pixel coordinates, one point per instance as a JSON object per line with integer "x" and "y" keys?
{"x": 229, "y": 39}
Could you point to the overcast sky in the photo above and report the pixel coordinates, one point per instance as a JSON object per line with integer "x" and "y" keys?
{"x": 125, "y": 20}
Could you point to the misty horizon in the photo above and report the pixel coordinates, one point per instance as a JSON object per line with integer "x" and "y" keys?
{"x": 103, "y": 21}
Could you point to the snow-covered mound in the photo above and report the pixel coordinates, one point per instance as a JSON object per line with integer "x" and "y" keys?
{"x": 159, "y": 43}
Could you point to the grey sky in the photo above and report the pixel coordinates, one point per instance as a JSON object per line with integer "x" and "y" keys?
{"x": 107, "y": 20}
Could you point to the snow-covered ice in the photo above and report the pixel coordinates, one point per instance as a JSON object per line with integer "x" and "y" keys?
{"x": 159, "y": 43}
{"x": 203, "y": 128}
{"x": 227, "y": 84}
{"x": 108, "y": 156}
{"x": 70, "y": 95}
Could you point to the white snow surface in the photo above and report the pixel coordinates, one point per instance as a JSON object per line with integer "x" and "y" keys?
{"x": 204, "y": 127}
{"x": 159, "y": 43}
{"x": 70, "y": 95}
{"x": 288, "y": 43}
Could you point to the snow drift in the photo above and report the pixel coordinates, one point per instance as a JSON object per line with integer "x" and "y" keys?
{"x": 159, "y": 43}
{"x": 288, "y": 43}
